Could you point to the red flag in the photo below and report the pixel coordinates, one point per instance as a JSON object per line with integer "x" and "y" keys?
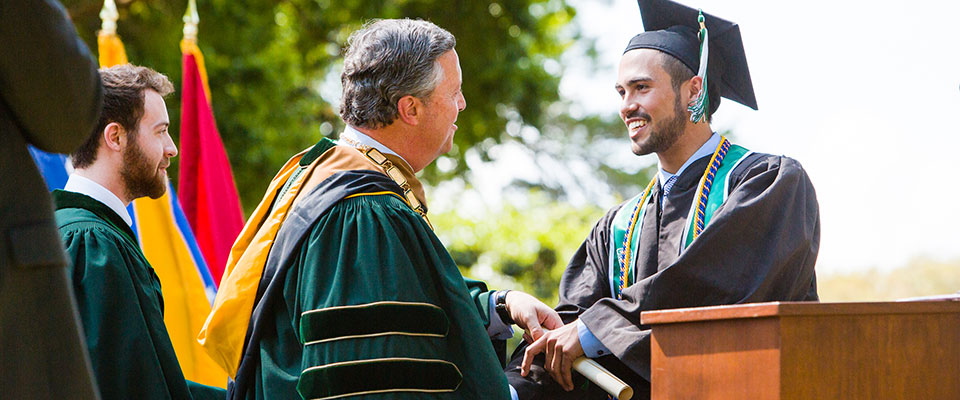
{"x": 208, "y": 193}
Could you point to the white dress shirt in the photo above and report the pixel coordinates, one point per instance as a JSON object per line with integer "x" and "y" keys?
{"x": 351, "y": 136}
{"x": 79, "y": 184}
{"x": 706, "y": 149}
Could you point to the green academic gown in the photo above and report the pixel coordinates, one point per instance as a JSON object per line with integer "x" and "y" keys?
{"x": 360, "y": 300}
{"x": 121, "y": 306}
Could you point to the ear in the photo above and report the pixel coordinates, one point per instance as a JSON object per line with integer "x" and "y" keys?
{"x": 692, "y": 88}
{"x": 114, "y": 136}
{"x": 410, "y": 109}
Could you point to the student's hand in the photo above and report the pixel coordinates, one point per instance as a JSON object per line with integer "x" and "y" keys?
{"x": 562, "y": 346}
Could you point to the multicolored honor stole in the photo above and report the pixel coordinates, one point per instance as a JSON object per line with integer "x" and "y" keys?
{"x": 626, "y": 227}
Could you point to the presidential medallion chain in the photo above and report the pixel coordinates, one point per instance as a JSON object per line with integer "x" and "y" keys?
{"x": 394, "y": 173}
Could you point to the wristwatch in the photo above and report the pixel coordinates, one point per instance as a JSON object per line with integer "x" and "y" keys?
{"x": 500, "y": 304}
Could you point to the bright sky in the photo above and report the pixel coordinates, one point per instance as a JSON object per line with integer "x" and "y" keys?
{"x": 865, "y": 94}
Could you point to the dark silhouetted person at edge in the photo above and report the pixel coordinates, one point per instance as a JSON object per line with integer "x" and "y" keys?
{"x": 49, "y": 98}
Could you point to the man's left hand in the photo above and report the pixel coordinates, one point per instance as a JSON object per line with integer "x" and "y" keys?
{"x": 562, "y": 346}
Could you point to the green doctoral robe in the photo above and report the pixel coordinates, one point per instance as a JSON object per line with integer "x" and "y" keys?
{"x": 120, "y": 306}
{"x": 360, "y": 300}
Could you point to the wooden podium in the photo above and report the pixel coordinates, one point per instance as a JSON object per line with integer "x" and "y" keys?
{"x": 767, "y": 351}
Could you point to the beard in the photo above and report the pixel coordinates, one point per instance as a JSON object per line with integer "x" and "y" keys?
{"x": 139, "y": 177}
{"x": 663, "y": 134}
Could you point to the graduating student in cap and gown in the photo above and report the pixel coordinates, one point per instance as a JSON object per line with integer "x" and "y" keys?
{"x": 718, "y": 224}
{"x": 337, "y": 286}
{"x": 118, "y": 294}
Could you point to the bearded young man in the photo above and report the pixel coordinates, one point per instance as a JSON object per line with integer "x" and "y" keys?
{"x": 118, "y": 294}
{"x": 717, "y": 225}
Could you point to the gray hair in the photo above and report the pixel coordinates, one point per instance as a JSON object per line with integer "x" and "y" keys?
{"x": 386, "y": 60}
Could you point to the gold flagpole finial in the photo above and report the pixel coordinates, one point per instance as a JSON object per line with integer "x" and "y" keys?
{"x": 190, "y": 21}
{"x": 108, "y": 18}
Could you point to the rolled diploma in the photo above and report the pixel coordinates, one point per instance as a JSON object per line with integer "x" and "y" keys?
{"x": 603, "y": 378}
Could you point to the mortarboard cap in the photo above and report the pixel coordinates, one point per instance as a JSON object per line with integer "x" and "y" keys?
{"x": 673, "y": 29}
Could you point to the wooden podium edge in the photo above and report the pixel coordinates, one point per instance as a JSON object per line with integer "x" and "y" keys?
{"x": 776, "y": 308}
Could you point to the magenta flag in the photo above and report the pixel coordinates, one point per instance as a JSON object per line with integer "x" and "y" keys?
{"x": 208, "y": 192}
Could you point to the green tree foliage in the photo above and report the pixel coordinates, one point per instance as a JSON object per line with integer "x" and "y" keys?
{"x": 524, "y": 245}
{"x": 274, "y": 73}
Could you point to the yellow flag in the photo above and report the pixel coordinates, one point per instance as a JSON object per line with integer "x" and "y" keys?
{"x": 111, "y": 50}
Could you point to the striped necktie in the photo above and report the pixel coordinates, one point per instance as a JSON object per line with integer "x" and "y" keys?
{"x": 668, "y": 185}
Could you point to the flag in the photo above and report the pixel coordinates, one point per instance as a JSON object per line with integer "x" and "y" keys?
{"x": 52, "y": 166}
{"x": 208, "y": 193}
{"x": 111, "y": 49}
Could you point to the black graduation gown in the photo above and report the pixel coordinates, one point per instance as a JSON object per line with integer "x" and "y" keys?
{"x": 761, "y": 245}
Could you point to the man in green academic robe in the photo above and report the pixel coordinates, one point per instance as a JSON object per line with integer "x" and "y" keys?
{"x": 338, "y": 285}
{"x": 118, "y": 293}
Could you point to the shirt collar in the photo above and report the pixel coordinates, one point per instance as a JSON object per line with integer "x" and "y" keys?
{"x": 352, "y": 136}
{"x": 79, "y": 184}
{"x": 705, "y": 150}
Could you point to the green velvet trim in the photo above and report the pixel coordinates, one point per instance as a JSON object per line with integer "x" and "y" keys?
{"x": 66, "y": 199}
{"x": 385, "y": 375}
{"x": 373, "y": 319}
{"x": 318, "y": 149}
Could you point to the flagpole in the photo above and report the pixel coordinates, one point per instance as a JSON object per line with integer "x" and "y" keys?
{"x": 191, "y": 28}
{"x": 191, "y": 20}
{"x": 109, "y": 17}
{"x": 109, "y": 47}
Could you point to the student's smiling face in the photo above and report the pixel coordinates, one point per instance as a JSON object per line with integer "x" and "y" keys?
{"x": 653, "y": 112}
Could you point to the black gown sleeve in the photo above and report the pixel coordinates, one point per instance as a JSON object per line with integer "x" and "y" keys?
{"x": 586, "y": 279}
